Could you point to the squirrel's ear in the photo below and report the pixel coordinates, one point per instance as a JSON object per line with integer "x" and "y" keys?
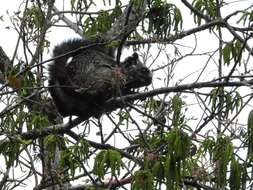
{"x": 135, "y": 55}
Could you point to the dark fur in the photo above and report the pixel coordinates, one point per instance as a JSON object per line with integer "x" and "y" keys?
{"x": 83, "y": 79}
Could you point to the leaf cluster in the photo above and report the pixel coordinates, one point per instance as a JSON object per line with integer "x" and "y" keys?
{"x": 74, "y": 156}
{"x": 107, "y": 159}
{"x": 167, "y": 166}
{"x": 250, "y": 135}
{"x": 221, "y": 153}
{"x": 34, "y": 17}
{"x": 232, "y": 51}
{"x": 163, "y": 18}
{"x": 143, "y": 180}
{"x": 224, "y": 102}
{"x": 206, "y": 7}
{"x": 100, "y": 24}
{"x": 246, "y": 18}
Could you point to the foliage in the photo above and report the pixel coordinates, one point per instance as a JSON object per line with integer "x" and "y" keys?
{"x": 250, "y": 135}
{"x": 75, "y": 155}
{"x": 206, "y": 7}
{"x": 222, "y": 154}
{"x": 232, "y": 50}
{"x": 101, "y": 23}
{"x": 10, "y": 150}
{"x": 224, "y": 102}
{"x": 235, "y": 175}
{"x": 169, "y": 166}
{"x": 107, "y": 159}
{"x": 143, "y": 180}
{"x": 163, "y": 18}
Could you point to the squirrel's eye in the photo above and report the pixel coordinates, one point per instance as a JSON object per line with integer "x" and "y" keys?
{"x": 144, "y": 70}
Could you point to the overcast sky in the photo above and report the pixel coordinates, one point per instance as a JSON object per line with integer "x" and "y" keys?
{"x": 8, "y": 38}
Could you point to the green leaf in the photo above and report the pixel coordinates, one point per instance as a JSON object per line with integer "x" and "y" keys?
{"x": 162, "y": 18}
{"x": 158, "y": 169}
{"x": 34, "y": 17}
{"x": 10, "y": 149}
{"x": 176, "y": 106}
{"x": 107, "y": 159}
{"x": 223, "y": 153}
{"x": 246, "y": 18}
{"x": 226, "y": 53}
{"x": 143, "y": 180}
{"x": 235, "y": 175}
{"x": 250, "y": 135}
{"x": 115, "y": 162}
{"x": 72, "y": 3}
{"x": 50, "y": 143}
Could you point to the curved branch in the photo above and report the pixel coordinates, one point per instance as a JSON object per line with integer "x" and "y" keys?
{"x": 105, "y": 147}
{"x": 196, "y": 11}
{"x": 126, "y": 23}
{"x": 179, "y": 35}
{"x": 179, "y": 88}
{"x": 65, "y": 128}
{"x": 5, "y": 63}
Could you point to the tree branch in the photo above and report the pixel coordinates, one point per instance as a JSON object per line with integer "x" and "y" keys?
{"x": 5, "y": 63}
{"x": 126, "y": 23}
{"x": 196, "y": 11}
{"x": 65, "y": 128}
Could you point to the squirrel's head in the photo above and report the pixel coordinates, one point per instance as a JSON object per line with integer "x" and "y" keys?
{"x": 137, "y": 74}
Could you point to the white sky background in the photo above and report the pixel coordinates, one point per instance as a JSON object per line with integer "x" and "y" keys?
{"x": 8, "y": 39}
